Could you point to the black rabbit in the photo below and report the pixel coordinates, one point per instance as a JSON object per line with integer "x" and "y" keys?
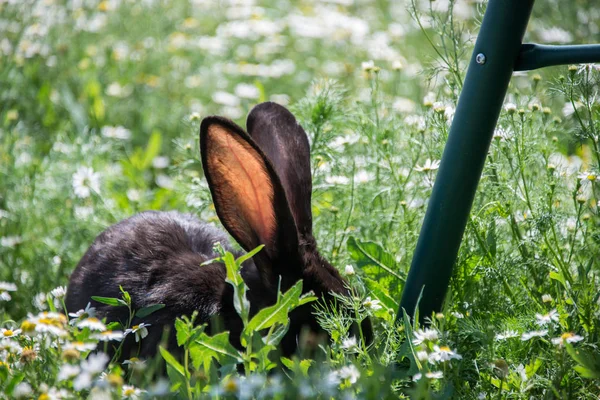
{"x": 261, "y": 187}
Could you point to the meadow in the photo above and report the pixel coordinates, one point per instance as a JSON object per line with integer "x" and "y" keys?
{"x": 100, "y": 109}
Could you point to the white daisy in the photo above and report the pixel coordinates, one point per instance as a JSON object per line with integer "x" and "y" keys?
{"x": 85, "y": 180}
{"x": 568, "y": 337}
{"x": 528, "y": 335}
{"x": 141, "y": 331}
{"x": 92, "y": 323}
{"x": 546, "y": 319}
{"x": 442, "y": 354}
{"x": 349, "y": 372}
{"x": 427, "y": 335}
{"x": 428, "y": 166}
{"x": 108, "y": 336}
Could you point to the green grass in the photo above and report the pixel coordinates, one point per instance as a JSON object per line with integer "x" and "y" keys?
{"x": 70, "y": 72}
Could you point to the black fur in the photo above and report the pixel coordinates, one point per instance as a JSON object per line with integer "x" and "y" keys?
{"x": 156, "y": 256}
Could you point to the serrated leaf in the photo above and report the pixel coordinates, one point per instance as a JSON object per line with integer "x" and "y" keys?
{"x": 218, "y": 347}
{"x": 277, "y": 313}
{"x": 145, "y": 311}
{"x": 381, "y": 293}
{"x": 111, "y": 301}
{"x": 182, "y": 332}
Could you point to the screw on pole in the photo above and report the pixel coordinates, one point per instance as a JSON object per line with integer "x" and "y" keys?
{"x": 497, "y": 46}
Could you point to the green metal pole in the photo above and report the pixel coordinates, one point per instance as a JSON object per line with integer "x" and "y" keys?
{"x": 496, "y": 51}
{"x": 533, "y": 56}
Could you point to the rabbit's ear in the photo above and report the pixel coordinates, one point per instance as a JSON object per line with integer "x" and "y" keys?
{"x": 248, "y": 195}
{"x": 285, "y": 143}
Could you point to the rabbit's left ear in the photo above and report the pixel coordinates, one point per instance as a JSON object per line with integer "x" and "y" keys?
{"x": 249, "y": 197}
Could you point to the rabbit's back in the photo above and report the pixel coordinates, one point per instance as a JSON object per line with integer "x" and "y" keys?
{"x": 155, "y": 257}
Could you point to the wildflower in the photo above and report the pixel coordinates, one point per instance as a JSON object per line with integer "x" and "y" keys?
{"x": 135, "y": 363}
{"x": 547, "y": 318}
{"x": 67, "y": 371}
{"x": 59, "y": 292}
{"x": 350, "y": 373}
{"x": 89, "y": 311}
{"x": 428, "y": 166}
{"x": 568, "y": 337}
{"x": 422, "y": 355}
{"x": 547, "y": 298}
{"x": 587, "y": 176}
{"x": 141, "y": 331}
{"x": 510, "y": 108}
{"x": 500, "y": 368}
{"x": 10, "y": 241}
{"x": 247, "y": 91}
{"x": 457, "y": 315}
{"x": 131, "y": 392}
{"x": 349, "y": 343}
{"x": 160, "y": 162}
{"x": 427, "y": 335}
{"x": 528, "y": 335}
{"x": 48, "y": 322}
{"x": 442, "y": 354}
{"x": 369, "y": 66}
{"x": 6, "y": 287}
{"x": 108, "y": 336}
{"x": 92, "y": 323}
{"x": 89, "y": 368}
{"x": 435, "y": 375}
{"x": 349, "y": 270}
{"x": 8, "y": 333}
{"x": 114, "y": 380}
{"x": 226, "y": 99}
{"x": 85, "y": 180}
{"x": 71, "y": 355}
{"x": 116, "y": 132}
{"x": 362, "y": 177}
{"x": 231, "y": 385}
{"x": 506, "y": 335}
{"x": 22, "y": 390}
{"x": 337, "y": 180}
{"x": 372, "y": 304}
{"x": 28, "y": 355}
{"x": 80, "y": 346}
{"x": 397, "y": 65}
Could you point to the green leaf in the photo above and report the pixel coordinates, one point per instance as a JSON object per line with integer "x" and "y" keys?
{"x": 170, "y": 360}
{"x": 557, "y": 277}
{"x": 111, "y": 301}
{"x": 589, "y": 362}
{"x": 218, "y": 347}
{"x": 182, "y": 331}
{"x": 370, "y": 254}
{"x": 145, "y": 311}
{"x": 248, "y": 255}
{"x": 275, "y": 335}
{"x": 277, "y": 313}
{"x": 152, "y": 149}
{"x": 381, "y": 293}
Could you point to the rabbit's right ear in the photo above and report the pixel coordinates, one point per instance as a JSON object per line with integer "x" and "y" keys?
{"x": 285, "y": 143}
{"x": 248, "y": 196}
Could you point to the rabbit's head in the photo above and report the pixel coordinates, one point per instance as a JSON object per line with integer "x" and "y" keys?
{"x": 261, "y": 186}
